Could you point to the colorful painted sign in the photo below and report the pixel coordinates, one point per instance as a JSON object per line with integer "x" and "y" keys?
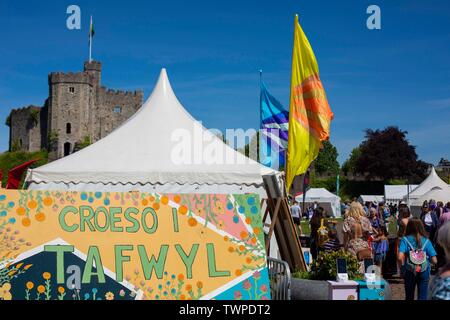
{"x": 127, "y": 246}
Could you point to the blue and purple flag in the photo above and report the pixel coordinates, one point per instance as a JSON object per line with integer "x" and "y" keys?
{"x": 274, "y": 130}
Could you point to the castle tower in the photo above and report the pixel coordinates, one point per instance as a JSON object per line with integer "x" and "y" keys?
{"x": 94, "y": 68}
{"x": 71, "y": 98}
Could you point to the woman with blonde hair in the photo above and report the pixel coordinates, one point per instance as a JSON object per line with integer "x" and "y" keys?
{"x": 357, "y": 229}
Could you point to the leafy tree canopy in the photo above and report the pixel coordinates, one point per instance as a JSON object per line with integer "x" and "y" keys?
{"x": 350, "y": 164}
{"x": 326, "y": 161}
{"x": 386, "y": 154}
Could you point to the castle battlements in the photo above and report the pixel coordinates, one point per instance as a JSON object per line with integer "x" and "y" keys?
{"x": 122, "y": 92}
{"x": 26, "y": 109}
{"x": 93, "y": 66}
{"x": 70, "y": 77}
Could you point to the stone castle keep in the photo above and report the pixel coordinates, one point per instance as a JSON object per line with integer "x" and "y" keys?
{"x": 78, "y": 111}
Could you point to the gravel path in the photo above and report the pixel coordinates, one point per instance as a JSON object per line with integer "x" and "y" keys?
{"x": 397, "y": 288}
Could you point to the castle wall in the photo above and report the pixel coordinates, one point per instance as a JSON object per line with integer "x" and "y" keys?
{"x": 114, "y": 108}
{"x": 25, "y": 131}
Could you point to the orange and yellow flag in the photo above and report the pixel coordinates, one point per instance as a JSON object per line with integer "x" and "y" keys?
{"x": 310, "y": 115}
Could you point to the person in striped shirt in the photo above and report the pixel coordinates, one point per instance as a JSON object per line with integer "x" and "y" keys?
{"x": 333, "y": 243}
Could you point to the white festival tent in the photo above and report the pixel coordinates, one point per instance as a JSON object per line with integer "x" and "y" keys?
{"x": 161, "y": 148}
{"x": 437, "y": 194}
{"x": 324, "y": 198}
{"x": 370, "y": 198}
{"x": 397, "y": 193}
{"x": 431, "y": 182}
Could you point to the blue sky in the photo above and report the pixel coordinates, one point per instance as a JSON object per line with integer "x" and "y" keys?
{"x": 399, "y": 75}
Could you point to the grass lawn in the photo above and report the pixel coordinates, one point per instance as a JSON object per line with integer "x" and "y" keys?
{"x": 306, "y": 229}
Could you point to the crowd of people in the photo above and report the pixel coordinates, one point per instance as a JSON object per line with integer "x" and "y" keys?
{"x": 422, "y": 245}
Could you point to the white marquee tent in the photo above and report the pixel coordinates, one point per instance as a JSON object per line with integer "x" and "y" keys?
{"x": 431, "y": 182}
{"x": 324, "y": 198}
{"x": 370, "y": 198}
{"x": 397, "y": 193}
{"x": 437, "y": 194}
{"x": 161, "y": 148}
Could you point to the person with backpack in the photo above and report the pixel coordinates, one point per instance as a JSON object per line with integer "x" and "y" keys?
{"x": 416, "y": 254}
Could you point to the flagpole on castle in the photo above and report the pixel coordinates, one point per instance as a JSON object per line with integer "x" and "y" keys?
{"x": 90, "y": 41}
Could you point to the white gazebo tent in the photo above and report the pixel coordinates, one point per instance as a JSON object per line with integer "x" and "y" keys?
{"x": 161, "y": 148}
{"x": 397, "y": 193}
{"x": 370, "y": 198}
{"x": 431, "y": 182}
{"x": 324, "y": 198}
{"x": 436, "y": 194}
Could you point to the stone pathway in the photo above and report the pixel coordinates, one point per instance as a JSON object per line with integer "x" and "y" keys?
{"x": 397, "y": 288}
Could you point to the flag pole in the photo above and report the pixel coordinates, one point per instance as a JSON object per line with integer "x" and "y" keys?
{"x": 260, "y": 87}
{"x": 90, "y": 41}
{"x": 286, "y": 162}
{"x": 258, "y": 134}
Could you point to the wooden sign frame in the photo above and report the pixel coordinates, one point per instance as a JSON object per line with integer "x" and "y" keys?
{"x": 281, "y": 222}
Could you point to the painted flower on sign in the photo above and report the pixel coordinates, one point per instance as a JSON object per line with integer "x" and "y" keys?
{"x": 5, "y": 293}
{"x": 247, "y": 285}
{"x": 109, "y": 296}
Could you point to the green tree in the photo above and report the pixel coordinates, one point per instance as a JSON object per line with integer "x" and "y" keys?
{"x": 34, "y": 117}
{"x": 386, "y": 154}
{"x": 326, "y": 161}
{"x": 350, "y": 164}
{"x": 82, "y": 144}
{"x": 16, "y": 145}
{"x": 52, "y": 140}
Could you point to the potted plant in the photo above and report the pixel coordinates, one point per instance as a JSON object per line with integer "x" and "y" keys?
{"x": 314, "y": 285}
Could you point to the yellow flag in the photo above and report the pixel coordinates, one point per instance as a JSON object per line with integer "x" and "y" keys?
{"x": 310, "y": 115}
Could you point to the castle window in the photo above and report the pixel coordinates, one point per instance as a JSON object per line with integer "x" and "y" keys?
{"x": 66, "y": 149}
{"x": 72, "y": 89}
{"x": 68, "y": 128}
{"x": 118, "y": 109}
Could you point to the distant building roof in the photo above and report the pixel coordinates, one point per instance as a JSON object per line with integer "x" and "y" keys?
{"x": 443, "y": 164}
